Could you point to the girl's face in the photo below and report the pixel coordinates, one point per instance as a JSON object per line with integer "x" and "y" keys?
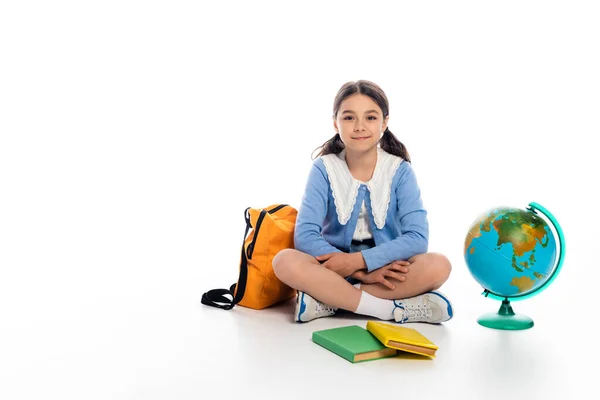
{"x": 360, "y": 123}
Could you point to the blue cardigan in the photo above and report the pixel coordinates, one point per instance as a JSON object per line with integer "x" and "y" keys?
{"x": 318, "y": 229}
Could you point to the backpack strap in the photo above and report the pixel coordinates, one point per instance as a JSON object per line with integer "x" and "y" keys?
{"x": 216, "y": 297}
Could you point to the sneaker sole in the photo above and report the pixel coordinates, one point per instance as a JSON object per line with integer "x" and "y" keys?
{"x": 300, "y": 307}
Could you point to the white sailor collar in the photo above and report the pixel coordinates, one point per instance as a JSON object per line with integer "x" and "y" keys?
{"x": 345, "y": 187}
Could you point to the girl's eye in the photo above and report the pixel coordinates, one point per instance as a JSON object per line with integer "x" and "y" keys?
{"x": 373, "y": 118}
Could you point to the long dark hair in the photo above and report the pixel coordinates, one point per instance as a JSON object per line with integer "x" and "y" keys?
{"x": 388, "y": 141}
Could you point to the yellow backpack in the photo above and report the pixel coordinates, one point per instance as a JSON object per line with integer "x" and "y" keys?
{"x": 257, "y": 286}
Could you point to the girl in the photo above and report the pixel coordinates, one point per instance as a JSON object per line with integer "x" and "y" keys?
{"x": 361, "y": 232}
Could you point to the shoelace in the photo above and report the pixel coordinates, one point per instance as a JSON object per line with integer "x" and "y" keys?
{"x": 416, "y": 310}
{"x": 420, "y": 312}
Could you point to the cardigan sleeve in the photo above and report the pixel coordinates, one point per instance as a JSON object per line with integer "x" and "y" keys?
{"x": 414, "y": 226}
{"x": 311, "y": 215}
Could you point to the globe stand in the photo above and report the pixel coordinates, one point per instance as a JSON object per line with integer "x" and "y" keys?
{"x": 505, "y": 318}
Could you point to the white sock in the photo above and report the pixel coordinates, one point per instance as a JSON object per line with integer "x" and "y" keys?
{"x": 374, "y": 306}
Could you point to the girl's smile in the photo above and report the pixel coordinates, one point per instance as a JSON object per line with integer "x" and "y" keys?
{"x": 360, "y": 123}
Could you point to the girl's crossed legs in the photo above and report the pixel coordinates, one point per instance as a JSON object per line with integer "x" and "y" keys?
{"x": 427, "y": 272}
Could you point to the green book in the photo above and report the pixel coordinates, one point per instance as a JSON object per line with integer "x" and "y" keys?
{"x": 353, "y": 343}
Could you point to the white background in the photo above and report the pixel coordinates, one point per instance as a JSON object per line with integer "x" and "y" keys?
{"x": 134, "y": 134}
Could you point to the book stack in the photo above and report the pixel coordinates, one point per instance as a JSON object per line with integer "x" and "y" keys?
{"x": 378, "y": 340}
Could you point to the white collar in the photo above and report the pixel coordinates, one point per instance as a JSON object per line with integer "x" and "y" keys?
{"x": 345, "y": 187}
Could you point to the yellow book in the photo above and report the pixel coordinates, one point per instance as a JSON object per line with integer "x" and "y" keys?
{"x": 402, "y": 338}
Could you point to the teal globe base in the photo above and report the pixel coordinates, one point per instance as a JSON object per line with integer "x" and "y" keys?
{"x": 505, "y": 319}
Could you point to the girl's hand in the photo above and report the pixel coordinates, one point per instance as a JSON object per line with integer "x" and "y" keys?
{"x": 396, "y": 270}
{"x": 344, "y": 264}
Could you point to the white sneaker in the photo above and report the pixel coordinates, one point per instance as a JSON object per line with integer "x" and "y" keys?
{"x": 430, "y": 307}
{"x": 308, "y": 308}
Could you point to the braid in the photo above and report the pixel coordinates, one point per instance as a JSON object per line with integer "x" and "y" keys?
{"x": 332, "y": 146}
{"x": 392, "y": 145}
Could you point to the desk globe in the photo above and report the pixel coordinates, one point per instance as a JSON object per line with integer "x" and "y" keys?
{"x": 512, "y": 254}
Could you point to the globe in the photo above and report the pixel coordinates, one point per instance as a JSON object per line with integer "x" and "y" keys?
{"x": 513, "y": 254}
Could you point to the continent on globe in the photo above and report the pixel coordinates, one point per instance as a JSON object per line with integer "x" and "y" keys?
{"x": 524, "y": 230}
{"x": 523, "y": 283}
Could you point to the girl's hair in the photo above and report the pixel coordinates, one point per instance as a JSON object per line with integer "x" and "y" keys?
{"x": 388, "y": 141}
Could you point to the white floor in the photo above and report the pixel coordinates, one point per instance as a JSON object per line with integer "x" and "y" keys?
{"x": 274, "y": 356}
{"x": 161, "y": 343}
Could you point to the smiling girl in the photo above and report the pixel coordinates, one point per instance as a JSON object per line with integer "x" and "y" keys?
{"x": 361, "y": 235}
